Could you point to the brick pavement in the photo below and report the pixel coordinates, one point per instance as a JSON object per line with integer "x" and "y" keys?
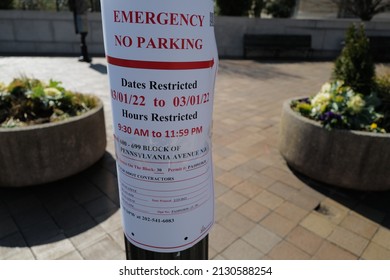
{"x": 263, "y": 210}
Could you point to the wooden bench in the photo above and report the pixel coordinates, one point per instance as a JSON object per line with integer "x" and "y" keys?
{"x": 380, "y": 47}
{"x": 274, "y": 45}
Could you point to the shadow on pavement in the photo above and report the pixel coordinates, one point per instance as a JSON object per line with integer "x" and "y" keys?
{"x": 99, "y": 68}
{"x": 373, "y": 205}
{"x": 56, "y": 211}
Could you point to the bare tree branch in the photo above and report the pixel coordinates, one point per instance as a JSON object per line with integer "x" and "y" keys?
{"x": 364, "y": 9}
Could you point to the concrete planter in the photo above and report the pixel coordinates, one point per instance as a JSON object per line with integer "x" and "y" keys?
{"x": 350, "y": 159}
{"x": 45, "y": 153}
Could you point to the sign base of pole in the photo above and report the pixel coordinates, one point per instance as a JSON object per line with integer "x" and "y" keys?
{"x": 198, "y": 252}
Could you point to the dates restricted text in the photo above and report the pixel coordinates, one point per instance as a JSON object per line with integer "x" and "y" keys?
{"x": 176, "y": 101}
{"x": 163, "y": 151}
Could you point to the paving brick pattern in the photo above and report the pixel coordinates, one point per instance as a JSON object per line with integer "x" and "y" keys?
{"x": 263, "y": 209}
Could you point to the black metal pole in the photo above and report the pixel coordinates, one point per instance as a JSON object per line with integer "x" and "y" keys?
{"x": 200, "y": 251}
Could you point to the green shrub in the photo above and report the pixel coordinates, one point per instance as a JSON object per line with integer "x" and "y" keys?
{"x": 383, "y": 87}
{"x": 336, "y": 105}
{"x": 28, "y": 101}
{"x": 355, "y": 65}
{"x": 42, "y": 5}
{"x": 257, "y": 6}
{"x": 6, "y": 4}
{"x": 234, "y": 7}
{"x": 356, "y": 98}
{"x": 280, "y": 8}
{"x": 383, "y": 90}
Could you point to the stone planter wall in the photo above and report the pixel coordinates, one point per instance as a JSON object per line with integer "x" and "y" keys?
{"x": 48, "y": 152}
{"x": 349, "y": 159}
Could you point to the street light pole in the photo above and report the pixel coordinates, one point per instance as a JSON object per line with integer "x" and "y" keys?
{"x": 198, "y": 252}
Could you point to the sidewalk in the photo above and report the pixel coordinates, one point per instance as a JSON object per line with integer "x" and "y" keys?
{"x": 263, "y": 210}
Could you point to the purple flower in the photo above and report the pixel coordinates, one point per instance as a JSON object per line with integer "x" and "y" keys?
{"x": 328, "y": 116}
{"x": 305, "y": 100}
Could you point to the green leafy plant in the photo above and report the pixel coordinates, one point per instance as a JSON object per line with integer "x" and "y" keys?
{"x": 355, "y": 98}
{"x": 43, "y": 5}
{"x": 337, "y": 105}
{"x": 27, "y": 101}
{"x": 6, "y": 4}
{"x": 280, "y": 8}
{"x": 383, "y": 90}
{"x": 383, "y": 87}
{"x": 355, "y": 65}
{"x": 234, "y": 7}
{"x": 257, "y": 7}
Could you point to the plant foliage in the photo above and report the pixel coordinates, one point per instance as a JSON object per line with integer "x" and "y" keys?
{"x": 6, "y": 4}
{"x": 45, "y": 5}
{"x": 356, "y": 98}
{"x": 280, "y": 8}
{"x": 355, "y": 65}
{"x": 383, "y": 90}
{"x": 339, "y": 106}
{"x": 27, "y": 101}
{"x": 257, "y": 7}
{"x": 234, "y": 7}
{"x": 364, "y": 9}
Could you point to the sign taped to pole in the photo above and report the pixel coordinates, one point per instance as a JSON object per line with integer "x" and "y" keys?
{"x": 162, "y": 63}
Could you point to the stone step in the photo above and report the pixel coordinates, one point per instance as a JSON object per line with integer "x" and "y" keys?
{"x": 317, "y": 6}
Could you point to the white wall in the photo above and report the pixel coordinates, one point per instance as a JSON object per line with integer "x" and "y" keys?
{"x": 39, "y": 32}
{"x": 42, "y": 33}
{"x": 327, "y": 35}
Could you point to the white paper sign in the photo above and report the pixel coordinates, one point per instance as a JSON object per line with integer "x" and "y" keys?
{"x": 162, "y": 63}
